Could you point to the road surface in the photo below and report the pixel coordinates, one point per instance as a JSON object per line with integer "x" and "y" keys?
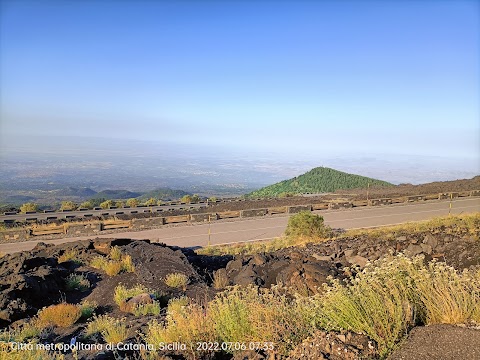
{"x": 270, "y": 227}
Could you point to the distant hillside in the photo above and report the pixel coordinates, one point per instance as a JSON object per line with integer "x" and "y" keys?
{"x": 71, "y": 191}
{"x": 318, "y": 180}
{"x": 115, "y": 194}
{"x": 164, "y": 194}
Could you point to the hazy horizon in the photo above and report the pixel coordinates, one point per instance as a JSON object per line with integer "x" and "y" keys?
{"x": 384, "y": 89}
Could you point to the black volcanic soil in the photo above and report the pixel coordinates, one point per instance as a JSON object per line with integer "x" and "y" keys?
{"x": 32, "y": 280}
{"x": 439, "y": 342}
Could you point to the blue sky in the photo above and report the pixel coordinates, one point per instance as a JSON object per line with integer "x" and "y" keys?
{"x": 375, "y": 77}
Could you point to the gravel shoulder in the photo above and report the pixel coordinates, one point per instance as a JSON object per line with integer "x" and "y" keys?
{"x": 439, "y": 342}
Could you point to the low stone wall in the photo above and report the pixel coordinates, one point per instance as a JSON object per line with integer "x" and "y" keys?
{"x": 277, "y": 210}
{"x": 321, "y": 206}
{"x": 415, "y": 198}
{"x": 228, "y": 214}
{"x": 378, "y": 202}
{"x": 84, "y": 229}
{"x": 253, "y": 213}
{"x": 475, "y": 193}
{"x": 340, "y": 205}
{"x": 147, "y": 222}
{"x": 15, "y": 235}
{"x": 203, "y": 217}
{"x": 177, "y": 219}
{"x": 299, "y": 208}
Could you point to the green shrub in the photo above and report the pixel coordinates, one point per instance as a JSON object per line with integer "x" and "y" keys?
{"x": 107, "y": 204}
{"x": 98, "y": 324}
{"x": 87, "y": 309}
{"x": 132, "y": 202}
{"x": 220, "y": 280}
{"x": 87, "y": 205}
{"x": 29, "y": 207}
{"x": 151, "y": 202}
{"x": 77, "y": 282}
{"x": 68, "y": 205}
{"x": 186, "y": 199}
{"x": 307, "y": 225}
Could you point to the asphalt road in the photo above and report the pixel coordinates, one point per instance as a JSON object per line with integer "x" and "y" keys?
{"x": 269, "y": 227}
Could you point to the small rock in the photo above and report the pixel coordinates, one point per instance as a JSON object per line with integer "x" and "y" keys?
{"x": 429, "y": 239}
{"x": 413, "y": 250}
{"x": 358, "y": 260}
{"x": 102, "y": 247}
{"x": 322, "y": 258}
{"x": 426, "y": 248}
{"x": 141, "y": 299}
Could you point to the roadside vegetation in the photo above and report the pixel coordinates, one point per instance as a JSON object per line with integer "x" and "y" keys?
{"x": 148, "y": 305}
{"x": 302, "y": 228}
{"x": 383, "y": 301}
{"x": 27, "y": 207}
{"x": 176, "y": 280}
{"x": 113, "y": 264}
{"x": 107, "y": 204}
{"x": 77, "y": 282}
{"x": 462, "y": 224}
{"x": 69, "y": 255}
{"x": 68, "y": 206}
{"x": 110, "y": 329}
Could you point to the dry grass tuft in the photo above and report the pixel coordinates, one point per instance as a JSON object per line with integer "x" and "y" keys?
{"x": 61, "y": 315}
{"x": 147, "y": 309}
{"x": 112, "y": 330}
{"x": 116, "y": 253}
{"x": 383, "y": 301}
{"x": 113, "y": 268}
{"x": 122, "y": 294}
{"x": 115, "y": 263}
{"x": 220, "y": 280}
{"x": 69, "y": 255}
{"x": 176, "y": 280}
{"x": 28, "y": 332}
